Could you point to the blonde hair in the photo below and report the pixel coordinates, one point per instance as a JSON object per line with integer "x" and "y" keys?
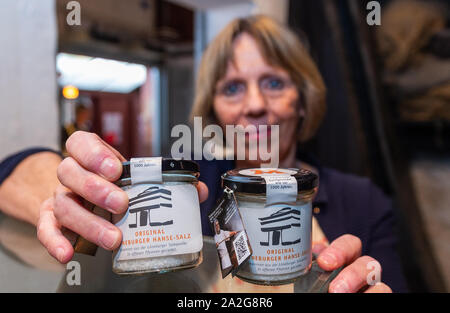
{"x": 280, "y": 47}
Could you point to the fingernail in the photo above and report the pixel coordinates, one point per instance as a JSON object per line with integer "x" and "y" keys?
{"x": 60, "y": 254}
{"x": 328, "y": 258}
{"x": 341, "y": 287}
{"x": 116, "y": 201}
{"x": 109, "y": 168}
{"x": 109, "y": 238}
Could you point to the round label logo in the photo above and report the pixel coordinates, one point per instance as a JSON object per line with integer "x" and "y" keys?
{"x": 266, "y": 171}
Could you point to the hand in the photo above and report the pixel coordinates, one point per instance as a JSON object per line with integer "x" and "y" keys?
{"x": 87, "y": 174}
{"x": 346, "y": 251}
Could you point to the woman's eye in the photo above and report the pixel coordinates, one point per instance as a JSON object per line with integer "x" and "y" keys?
{"x": 273, "y": 83}
{"x": 232, "y": 88}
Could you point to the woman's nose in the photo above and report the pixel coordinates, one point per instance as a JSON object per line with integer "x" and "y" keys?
{"x": 255, "y": 102}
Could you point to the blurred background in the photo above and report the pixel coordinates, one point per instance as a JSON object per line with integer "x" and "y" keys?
{"x": 127, "y": 73}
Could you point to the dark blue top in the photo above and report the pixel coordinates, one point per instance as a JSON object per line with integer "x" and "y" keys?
{"x": 348, "y": 205}
{"x": 8, "y": 164}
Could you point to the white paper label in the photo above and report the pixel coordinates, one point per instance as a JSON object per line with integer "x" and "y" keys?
{"x": 146, "y": 170}
{"x": 280, "y": 185}
{"x": 280, "y": 236}
{"x": 161, "y": 220}
{"x": 280, "y": 188}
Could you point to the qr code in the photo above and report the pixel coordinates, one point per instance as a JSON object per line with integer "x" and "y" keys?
{"x": 241, "y": 247}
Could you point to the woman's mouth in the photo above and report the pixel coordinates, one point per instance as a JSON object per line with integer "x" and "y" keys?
{"x": 259, "y": 133}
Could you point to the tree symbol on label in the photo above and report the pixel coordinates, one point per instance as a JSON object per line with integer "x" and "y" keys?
{"x": 278, "y": 222}
{"x": 149, "y": 196}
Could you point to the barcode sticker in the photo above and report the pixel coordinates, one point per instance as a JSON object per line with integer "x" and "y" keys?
{"x": 241, "y": 247}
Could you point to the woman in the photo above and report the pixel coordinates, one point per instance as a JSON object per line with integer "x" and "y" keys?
{"x": 254, "y": 73}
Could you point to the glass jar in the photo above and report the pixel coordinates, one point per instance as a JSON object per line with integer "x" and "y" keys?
{"x": 162, "y": 227}
{"x": 278, "y": 222}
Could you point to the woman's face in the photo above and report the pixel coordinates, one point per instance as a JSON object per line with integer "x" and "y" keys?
{"x": 217, "y": 227}
{"x": 253, "y": 92}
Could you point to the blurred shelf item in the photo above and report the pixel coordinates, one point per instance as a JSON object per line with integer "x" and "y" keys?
{"x": 431, "y": 136}
{"x": 440, "y": 44}
{"x": 139, "y": 31}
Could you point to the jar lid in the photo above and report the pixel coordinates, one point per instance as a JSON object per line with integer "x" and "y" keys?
{"x": 251, "y": 180}
{"x": 168, "y": 165}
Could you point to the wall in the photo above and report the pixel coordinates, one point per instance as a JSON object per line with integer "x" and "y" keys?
{"x": 218, "y": 18}
{"x": 28, "y": 90}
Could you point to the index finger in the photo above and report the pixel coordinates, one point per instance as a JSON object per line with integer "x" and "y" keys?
{"x": 92, "y": 153}
{"x": 342, "y": 251}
